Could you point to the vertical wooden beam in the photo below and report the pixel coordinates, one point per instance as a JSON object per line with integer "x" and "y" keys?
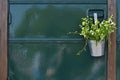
{"x": 111, "y": 62}
{"x": 3, "y": 39}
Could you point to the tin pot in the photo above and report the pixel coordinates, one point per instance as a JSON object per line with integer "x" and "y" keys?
{"x": 98, "y": 49}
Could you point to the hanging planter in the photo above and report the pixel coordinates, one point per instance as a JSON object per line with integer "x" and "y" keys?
{"x": 96, "y": 50}
{"x": 95, "y": 33}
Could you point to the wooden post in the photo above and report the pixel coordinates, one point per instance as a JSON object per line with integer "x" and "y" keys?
{"x": 3, "y": 39}
{"x": 111, "y": 62}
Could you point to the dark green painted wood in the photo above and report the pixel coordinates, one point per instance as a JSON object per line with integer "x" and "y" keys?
{"x": 47, "y": 21}
{"x": 59, "y": 1}
{"x": 118, "y": 20}
{"x": 40, "y": 49}
{"x": 53, "y": 62}
{"x": 118, "y": 60}
{"x": 118, "y": 41}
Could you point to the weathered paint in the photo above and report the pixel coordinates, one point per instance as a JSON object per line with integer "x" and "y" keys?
{"x": 40, "y": 48}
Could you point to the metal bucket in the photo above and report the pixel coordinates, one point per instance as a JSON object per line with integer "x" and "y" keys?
{"x": 96, "y": 50}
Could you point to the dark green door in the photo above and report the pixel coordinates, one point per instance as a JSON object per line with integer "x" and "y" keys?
{"x": 39, "y": 47}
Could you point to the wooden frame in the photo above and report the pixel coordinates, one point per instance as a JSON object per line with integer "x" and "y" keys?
{"x": 3, "y": 39}
{"x": 111, "y": 60}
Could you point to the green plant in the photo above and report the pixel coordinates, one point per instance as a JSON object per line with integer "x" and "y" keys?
{"x": 95, "y": 30}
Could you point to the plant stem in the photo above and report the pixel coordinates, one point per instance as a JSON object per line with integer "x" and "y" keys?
{"x": 83, "y": 49}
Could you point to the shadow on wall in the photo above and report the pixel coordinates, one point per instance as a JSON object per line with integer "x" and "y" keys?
{"x": 51, "y": 21}
{"x": 28, "y": 62}
{"x": 51, "y": 61}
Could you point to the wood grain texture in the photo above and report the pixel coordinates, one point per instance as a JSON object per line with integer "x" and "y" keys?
{"x": 3, "y": 39}
{"x": 111, "y": 60}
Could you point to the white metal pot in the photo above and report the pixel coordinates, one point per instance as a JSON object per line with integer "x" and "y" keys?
{"x": 96, "y": 50}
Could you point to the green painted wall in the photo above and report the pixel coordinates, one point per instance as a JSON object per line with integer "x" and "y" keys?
{"x": 39, "y": 47}
{"x": 118, "y": 40}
